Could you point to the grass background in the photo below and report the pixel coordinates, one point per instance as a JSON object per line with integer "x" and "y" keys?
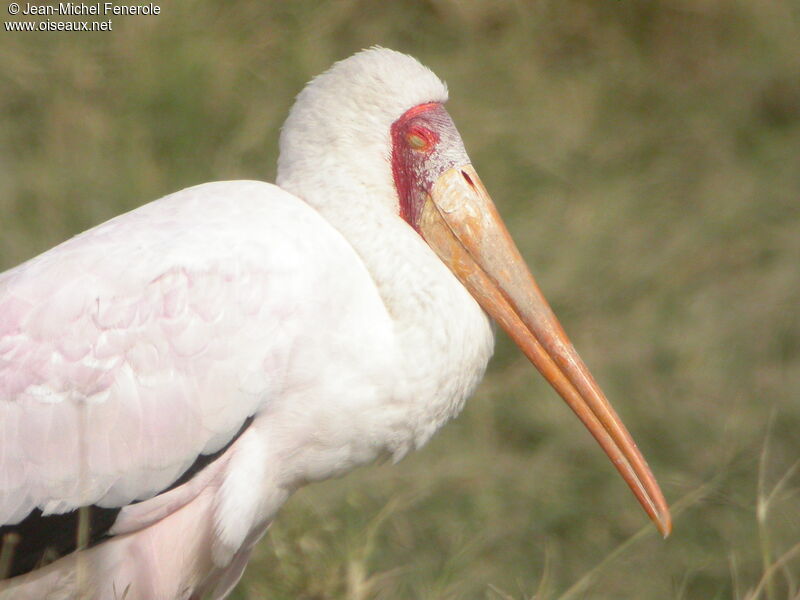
{"x": 645, "y": 155}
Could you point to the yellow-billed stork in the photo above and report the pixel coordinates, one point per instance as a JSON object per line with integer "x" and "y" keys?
{"x": 170, "y": 377}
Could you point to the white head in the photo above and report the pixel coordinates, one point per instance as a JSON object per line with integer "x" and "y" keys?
{"x": 338, "y": 132}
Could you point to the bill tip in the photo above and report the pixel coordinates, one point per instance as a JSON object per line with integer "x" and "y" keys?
{"x": 664, "y": 524}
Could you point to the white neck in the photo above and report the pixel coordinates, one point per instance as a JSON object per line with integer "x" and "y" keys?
{"x": 445, "y": 337}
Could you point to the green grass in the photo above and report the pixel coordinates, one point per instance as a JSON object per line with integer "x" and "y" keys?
{"x": 645, "y": 155}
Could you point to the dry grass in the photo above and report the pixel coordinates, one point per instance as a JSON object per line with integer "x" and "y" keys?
{"x": 646, "y": 157}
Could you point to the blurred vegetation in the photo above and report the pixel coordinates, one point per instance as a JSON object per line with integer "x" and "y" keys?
{"x": 646, "y": 157}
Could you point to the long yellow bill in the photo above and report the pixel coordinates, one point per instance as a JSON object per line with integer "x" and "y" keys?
{"x": 460, "y": 222}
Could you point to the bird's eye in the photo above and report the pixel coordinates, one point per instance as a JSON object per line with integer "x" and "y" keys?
{"x": 420, "y": 139}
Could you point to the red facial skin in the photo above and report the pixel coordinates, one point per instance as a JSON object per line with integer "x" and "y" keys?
{"x": 425, "y": 143}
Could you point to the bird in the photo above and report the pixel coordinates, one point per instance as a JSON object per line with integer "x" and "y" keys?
{"x": 170, "y": 377}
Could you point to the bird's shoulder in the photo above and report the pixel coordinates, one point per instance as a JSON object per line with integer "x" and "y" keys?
{"x": 196, "y": 226}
